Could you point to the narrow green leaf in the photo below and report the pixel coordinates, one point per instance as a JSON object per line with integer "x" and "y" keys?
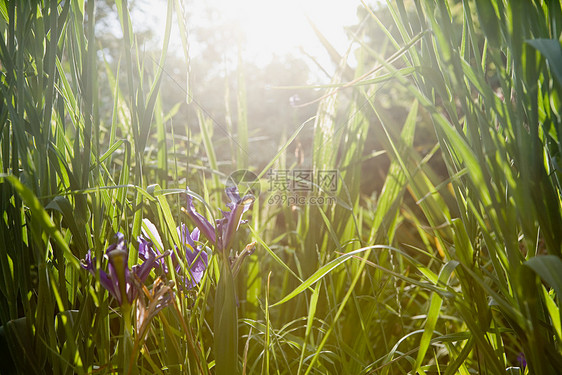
{"x": 551, "y": 49}
{"x": 548, "y": 267}
{"x": 226, "y": 323}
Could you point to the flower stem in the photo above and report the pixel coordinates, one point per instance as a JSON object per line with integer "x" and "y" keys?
{"x": 127, "y": 341}
{"x": 226, "y": 323}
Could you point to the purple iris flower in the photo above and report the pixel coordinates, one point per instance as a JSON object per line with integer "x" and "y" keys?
{"x": 119, "y": 279}
{"x": 199, "y": 220}
{"x": 196, "y": 259}
{"x": 522, "y": 361}
{"x": 228, "y": 225}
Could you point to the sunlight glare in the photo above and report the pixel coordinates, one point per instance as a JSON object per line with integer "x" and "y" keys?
{"x": 273, "y": 27}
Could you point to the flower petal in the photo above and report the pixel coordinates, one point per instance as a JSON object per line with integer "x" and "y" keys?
{"x": 228, "y": 226}
{"x": 195, "y": 234}
{"x": 200, "y": 222}
{"x": 88, "y": 263}
{"x": 198, "y": 262}
{"x": 149, "y": 253}
{"x": 185, "y": 237}
{"x": 150, "y": 262}
{"x": 118, "y": 267}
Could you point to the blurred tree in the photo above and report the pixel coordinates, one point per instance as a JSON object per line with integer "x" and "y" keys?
{"x": 215, "y": 73}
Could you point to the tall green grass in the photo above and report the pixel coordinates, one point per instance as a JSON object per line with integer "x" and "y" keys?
{"x": 454, "y": 272}
{"x": 487, "y": 74}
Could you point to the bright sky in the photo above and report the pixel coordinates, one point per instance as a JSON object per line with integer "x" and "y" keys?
{"x": 273, "y": 26}
{"x": 280, "y": 26}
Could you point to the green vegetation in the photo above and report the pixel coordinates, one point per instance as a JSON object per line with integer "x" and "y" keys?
{"x": 449, "y": 263}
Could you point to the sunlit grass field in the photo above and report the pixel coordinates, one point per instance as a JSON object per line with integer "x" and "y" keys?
{"x": 143, "y": 236}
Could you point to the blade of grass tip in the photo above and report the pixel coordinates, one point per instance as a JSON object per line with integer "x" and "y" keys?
{"x": 114, "y": 147}
{"x": 401, "y": 51}
{"x": 337, "y": 59}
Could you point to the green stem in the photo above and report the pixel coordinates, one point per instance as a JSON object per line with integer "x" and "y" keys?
{"x": 127, "y": 341}
{"x": 226, "y": 323}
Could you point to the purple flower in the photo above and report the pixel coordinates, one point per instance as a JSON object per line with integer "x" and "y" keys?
{"x": 522, "y": 361}
{"x": 196, "y": 259}
{"x": 199, "y": 220}
{"x": 227, "y": 226}
{"x": 119, "y": 280}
